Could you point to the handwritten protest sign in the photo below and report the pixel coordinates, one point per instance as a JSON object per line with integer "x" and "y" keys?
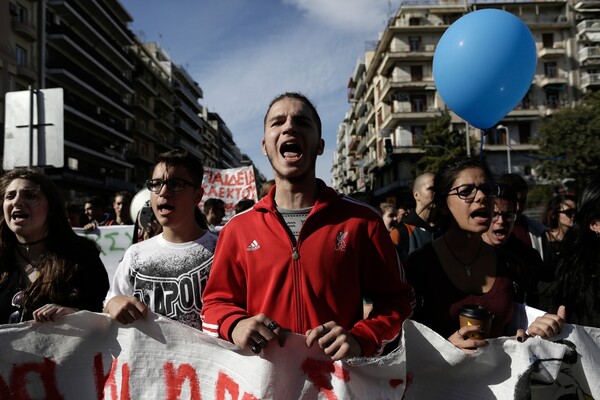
{"x": 230, "y": 185}
{"x": 113, "y": 241}
{"x": 87, "y": 356}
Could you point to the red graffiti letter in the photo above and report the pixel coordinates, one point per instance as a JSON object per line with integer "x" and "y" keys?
{"x": 47, "y": 373}
{"x": 319, "y": 371}
{"x": 174, "y": 381}
{"x": 102, "y": 381}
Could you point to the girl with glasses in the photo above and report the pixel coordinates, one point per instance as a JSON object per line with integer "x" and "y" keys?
{"x": 46, "y": 270}
{"x": 459, "y": 268}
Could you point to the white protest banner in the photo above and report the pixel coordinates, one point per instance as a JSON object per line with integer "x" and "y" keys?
{"x": 87, "y": 356}
{"x": 113, "y": 241}
{"x": 230, "y": 185}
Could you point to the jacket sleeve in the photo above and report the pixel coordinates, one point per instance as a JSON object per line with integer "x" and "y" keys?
{"x": 385, "y": 284}
{"x": 224, "y": 297}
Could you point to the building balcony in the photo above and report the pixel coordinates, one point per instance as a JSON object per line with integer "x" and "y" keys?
{"x": 391, "y": 86}
{"x": 145, "y": 84}
{"x": 588, "y": 26}
{"x": 183, "y": 75}
{"x": 552, "y": 52}
{"x": 24, "y": 29}
{"x": 141, "y": 105}
{"x": 76, "y": 54}
{"x": 589, "y": 55}
{"x": 73, "y": 83}
{"x": 582, "y": 5}
{"x": 405, "y": 55}
{"x": 392, "y": 119}
{"x": 26, "y": 72}
{"x": 75, "y": 15}
{"x": 557, "y": 80}
{"x": 590, "y": 81}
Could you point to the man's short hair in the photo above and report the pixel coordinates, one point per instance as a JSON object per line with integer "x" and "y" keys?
{"x": 180, "y": 157}
{"x": 213, "y": 203}
{"x": 300, "y": 97}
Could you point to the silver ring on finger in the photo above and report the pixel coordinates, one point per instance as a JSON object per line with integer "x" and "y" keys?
{"x": 325, "y": 330}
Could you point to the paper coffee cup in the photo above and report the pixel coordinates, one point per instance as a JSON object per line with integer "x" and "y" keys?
{"x": 472, "y": 314}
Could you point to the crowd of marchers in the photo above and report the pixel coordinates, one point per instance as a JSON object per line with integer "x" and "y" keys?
{"x": 343, "y": 270}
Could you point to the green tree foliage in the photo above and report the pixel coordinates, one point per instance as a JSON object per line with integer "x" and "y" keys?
{"x": 570, "y": 141}
{"x": 440, "y": 143}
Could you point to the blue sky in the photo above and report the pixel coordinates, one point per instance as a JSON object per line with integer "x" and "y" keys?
{"x": 245, "y": 52}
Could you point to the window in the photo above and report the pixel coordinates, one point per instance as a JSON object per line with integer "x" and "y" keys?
{"x": 524, "y": 132}
{"x": 418, "y": 103}
{"x": 550, "y": 69}
{"x": 548, "y": 40}
{"x": 552, "y": 100}
{"x": 417, "y": 133}
{"x": 414, "y": 43}
{"x": 21, "y": 55}
{"x": 416, "y": 73}
{"x": 414, "y": 21}
{"x": 22, "y": 14}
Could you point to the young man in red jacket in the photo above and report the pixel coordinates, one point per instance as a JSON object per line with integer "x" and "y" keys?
{"x": 305, "y": 256}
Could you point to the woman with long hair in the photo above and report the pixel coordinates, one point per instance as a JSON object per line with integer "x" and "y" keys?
{"x": 578, "y": 267}
{"x": 558, "y": 216}
{"x": 46, "y": 270}
{"x": 459, "y": 268}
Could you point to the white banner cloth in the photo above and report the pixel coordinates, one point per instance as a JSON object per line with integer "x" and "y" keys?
{"x": 87, "y": 356}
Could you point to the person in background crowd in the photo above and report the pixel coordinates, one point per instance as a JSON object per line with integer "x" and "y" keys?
{"x": 304, "y": 256}
{"x": 389, "y": 213}
{"x": 459, "y": 268}
{"x": 74, "y": 214}
{"x": 264, "y": 189}
{"x": 214, "y": 212}
{"x": 121, "y": 204}
{"x": 402, "y": 213}
{"x": 94, "y": 211}
{"x": 416, "y": 229}
{"x": 243, "y": 205}
{"x": 558, "y": 216}
{"x": 529, "y": 231}
{"x": 153, "y": 270}
{"x": 577, "y": 283}
{"x": 46, "y": 270}
{"x": 524, "y": 258}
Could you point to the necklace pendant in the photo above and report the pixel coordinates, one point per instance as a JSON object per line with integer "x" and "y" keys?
{"x": 468, "y": 270}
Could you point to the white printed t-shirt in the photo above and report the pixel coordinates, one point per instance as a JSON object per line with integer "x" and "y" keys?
{"x": 168, "y": 277}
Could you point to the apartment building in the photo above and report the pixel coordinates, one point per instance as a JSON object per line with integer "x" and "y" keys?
{"x": 124, "y": 101}
{"x": 393, "y": 97}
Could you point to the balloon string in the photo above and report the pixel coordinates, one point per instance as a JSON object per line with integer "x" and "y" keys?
{"x": 483, "y": 133}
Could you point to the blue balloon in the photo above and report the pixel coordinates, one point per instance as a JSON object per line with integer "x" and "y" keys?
{"x": 483, "y": 65}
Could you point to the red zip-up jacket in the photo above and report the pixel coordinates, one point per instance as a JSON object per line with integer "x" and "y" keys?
{"x": 343, "y": 253}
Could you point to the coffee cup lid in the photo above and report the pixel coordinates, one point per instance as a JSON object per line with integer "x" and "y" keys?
{"x": 475, "y": 311}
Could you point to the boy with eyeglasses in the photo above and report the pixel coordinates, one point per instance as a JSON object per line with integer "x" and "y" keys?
{"x": 168, "y": 272}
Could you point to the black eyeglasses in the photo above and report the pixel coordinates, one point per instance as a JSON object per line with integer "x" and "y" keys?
{"x": 174, "y": 185}
{"x": 17, "y": 301}
{"x": 569, "y": 212}
{"x": 508, "y": 216}
{"x": 468, "y": 192}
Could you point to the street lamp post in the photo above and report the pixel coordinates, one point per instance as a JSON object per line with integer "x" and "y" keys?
{"x": 507, "y": 146}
